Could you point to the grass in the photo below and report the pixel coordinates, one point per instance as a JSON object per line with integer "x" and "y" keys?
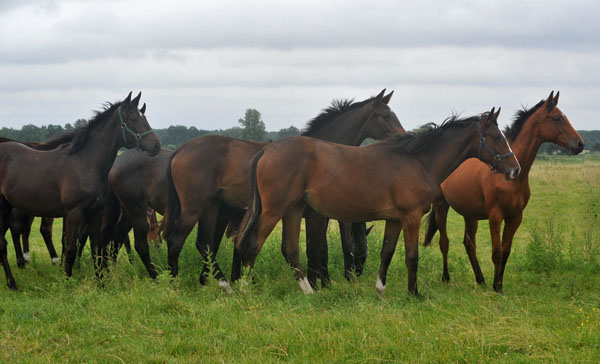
{"x": 550, "y": 310}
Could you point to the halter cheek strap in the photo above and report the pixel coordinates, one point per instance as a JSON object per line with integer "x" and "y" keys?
{"x": 126, "y": 129}
{"x": 483, "y": 144}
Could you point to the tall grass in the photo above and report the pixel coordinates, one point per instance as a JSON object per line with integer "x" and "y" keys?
{"x": 550, "y": 310}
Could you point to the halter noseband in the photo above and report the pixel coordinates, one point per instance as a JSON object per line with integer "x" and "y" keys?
{"x": 137, "y": 136}
{"x": 497, "y": 156}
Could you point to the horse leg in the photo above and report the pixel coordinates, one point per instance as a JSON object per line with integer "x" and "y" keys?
{"x": 291, "y": 235}
{"x": 5, "y": 212}
{"x": 16, "y": 229}
{"x": 390, "y": 239}
{"x": 497, "y": 253}
{"x": 183, "y": 226}
{"x": 441, "y": 215}
{"x": 205, "y": 244}
{"x": 93, "y": 231}
{"x": 119, "y": 237}
{"x": 510, "y": 228}
{"x": 360, "y": 246}
{"x": 27, "y": 221}
{"x": 316, "y": 247}
{"x": 347, "y": 248}
{"x": 72, "y": 222}
{"x": 411, "y": 250}
{"x": 140, "y": 233}
{"x": 46, "y": 231}
{"x": 470, "y": 244}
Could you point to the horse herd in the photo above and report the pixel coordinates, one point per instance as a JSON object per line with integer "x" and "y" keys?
{"x": 245, "y": 188}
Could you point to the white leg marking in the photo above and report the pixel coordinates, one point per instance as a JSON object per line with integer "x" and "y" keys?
{"x": 55, "y": 260}
{"x": 380, "y": 286}
{"x": 305, "y": 286}
{"x": 225, "y": 286}
{"x": 27, "y": 257}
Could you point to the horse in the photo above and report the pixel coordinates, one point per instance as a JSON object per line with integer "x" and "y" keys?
{"x": 137, "y": 181}
{"x": 20, "y": 223}
{"x": 71, "y": 181}
{"x": 394, "y": 180}
{"x": 477, "y": 194}
{"x": 209, "y": 182}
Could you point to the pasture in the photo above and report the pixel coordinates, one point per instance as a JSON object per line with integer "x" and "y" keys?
{"x": 549, "y": 312}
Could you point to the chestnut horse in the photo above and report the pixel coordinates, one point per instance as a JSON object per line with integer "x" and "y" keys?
{"x": 477, "y": 194}
{"x": 393, "y": 180}
{"x": 209, "y": 178}
{"x": 71, "y": 181}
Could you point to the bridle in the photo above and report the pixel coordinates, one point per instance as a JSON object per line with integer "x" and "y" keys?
{"x": 126, "y": 129}
{"x": 497, "y": 156}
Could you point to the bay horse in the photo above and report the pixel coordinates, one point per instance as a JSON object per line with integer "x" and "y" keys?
{"x": 394, "y": 180}
{"x": 20, "y": 223}
{"x": 137, "y": 181}
{"x": 477, "y": 194}
{"x": 71, "y": 181}
{"x": 209, "y": 181}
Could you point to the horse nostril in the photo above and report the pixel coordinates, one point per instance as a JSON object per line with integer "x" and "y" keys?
{"x": 580, "y": 144}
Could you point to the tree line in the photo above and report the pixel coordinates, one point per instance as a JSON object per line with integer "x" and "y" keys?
{"x": 251, "y": 127}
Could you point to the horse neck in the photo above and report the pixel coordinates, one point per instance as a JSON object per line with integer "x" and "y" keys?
{"x": 344, "y": 129}
{"x": 102, "y": 146}
{"x": 445, "y": 155}
{"x": 526, "y": 146}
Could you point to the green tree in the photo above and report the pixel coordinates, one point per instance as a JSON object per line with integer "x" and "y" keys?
{"x": 288, "y": 132}
{"x": 253, "y": 128}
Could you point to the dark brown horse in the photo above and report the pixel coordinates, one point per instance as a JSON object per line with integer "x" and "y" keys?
{"x": 20, "y": 223}
{"x": 477, "y": 194}
{"x": 393, "y": 180}
{"x": 71, "y": 181}
{"x": 138, "y": 181}
{"x": 209, "y": 178}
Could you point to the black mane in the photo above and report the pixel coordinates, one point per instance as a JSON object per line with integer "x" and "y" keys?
{"x": 427, "y": 135}
{"x": 521, "y": 116}
{"x": 336, "y": 108}
{"x": 75, "y": 140}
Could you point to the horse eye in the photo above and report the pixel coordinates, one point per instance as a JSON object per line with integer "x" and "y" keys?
{"x": 496, "y": 137}
{"x": 556, "y": 118}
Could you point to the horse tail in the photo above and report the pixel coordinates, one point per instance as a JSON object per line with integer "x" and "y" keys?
{"x": 250, "y": 220}
{"x": 173, "y": 209}
{"x": 112, "y": 211}
{"x": 431, "y": 227}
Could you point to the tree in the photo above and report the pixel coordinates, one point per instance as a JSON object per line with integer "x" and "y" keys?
{"x": 253, "y": 128}
{"x": 288, "y": 132}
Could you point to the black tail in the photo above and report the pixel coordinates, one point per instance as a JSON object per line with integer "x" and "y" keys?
{"x": 173, "y": 209}
{"x": 254, "y": 208}
{"x": 431, "y": 228}
{"x": 112, "y": 211}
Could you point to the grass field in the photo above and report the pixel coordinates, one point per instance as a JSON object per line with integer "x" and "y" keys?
{"x": 549, "y": 313}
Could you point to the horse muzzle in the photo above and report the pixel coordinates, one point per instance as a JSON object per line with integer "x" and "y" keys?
{"x": 512, "y": 174}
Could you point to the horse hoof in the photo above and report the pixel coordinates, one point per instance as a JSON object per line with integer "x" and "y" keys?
{"x": 445, "y": 278}
{"x": 380, "y": 286}
{"x": 305, "y": 286}
{"x": 27, "y": 257}
{"x": 12, "y": 284}
{"x": 21, "y": 263}
{"x": 55, "y": 261}
{"x": 481, "y": 281}
{"x": 225, "y": 286}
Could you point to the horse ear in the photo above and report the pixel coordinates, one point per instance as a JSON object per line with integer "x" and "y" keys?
{"x": 143, "y": 109}
{"x": 369, "y": 229}
{"x": 490, "y": 116}
{"x": 387, "y": 98}
{"x": 550, "y": 101}
{"x": 136, "y": 101}
{"x": 380, "y": 96}
{"x": 497, "y": 114}
{"x": 555, "y": 100}
{"x": 128, "y": 98}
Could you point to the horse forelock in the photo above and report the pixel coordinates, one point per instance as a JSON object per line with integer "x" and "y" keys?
{"x": 521, "y": 116}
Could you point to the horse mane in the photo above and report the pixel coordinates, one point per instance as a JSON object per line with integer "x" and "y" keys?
{"x": 75, "y": 140}
{"x": 427, "y": 135}
{"x": 337, "y": 107}
{"x": 521, "y": 116}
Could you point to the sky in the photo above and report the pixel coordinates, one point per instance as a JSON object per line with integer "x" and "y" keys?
{"x": 203, "y": 63}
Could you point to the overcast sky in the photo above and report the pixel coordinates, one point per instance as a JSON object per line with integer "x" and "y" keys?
{"x": 203, "y": 63}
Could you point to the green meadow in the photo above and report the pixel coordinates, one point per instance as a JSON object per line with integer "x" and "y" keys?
{"x": 549, "y": 312}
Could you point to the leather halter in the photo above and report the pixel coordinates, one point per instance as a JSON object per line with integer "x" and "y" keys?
{"x": 126, "y": 129}
{"x": 497, "y": 156}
